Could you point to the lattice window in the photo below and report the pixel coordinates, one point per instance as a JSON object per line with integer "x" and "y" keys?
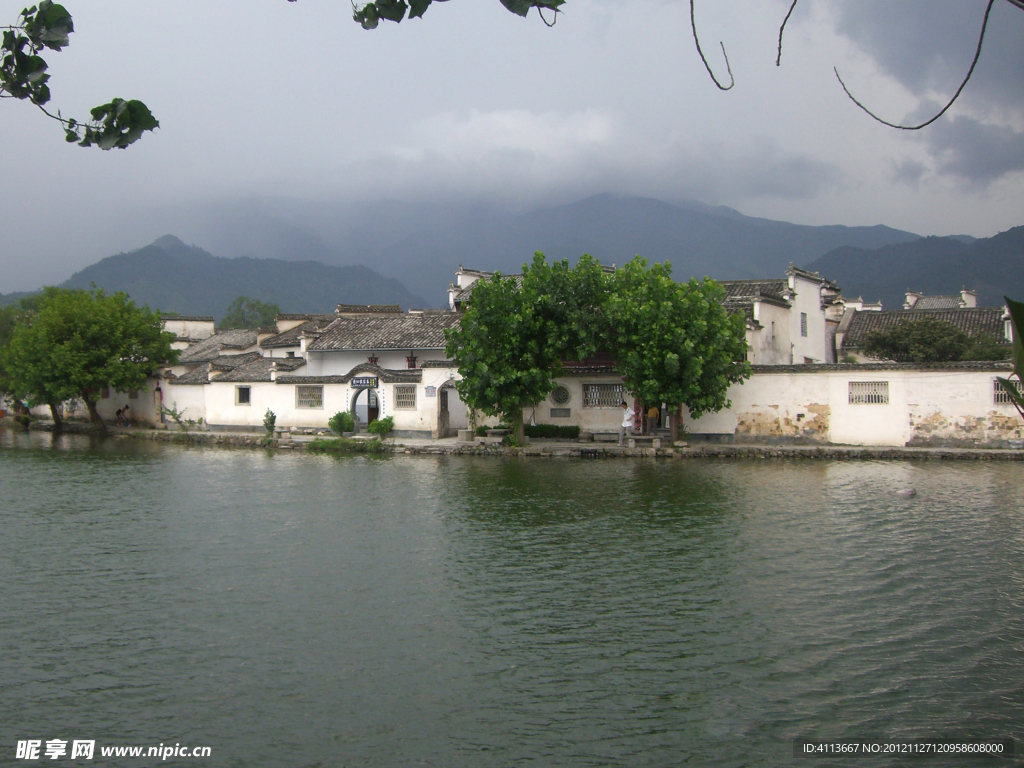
{"x": 602, "y": 395}
{"x": 405, "y": 396}
{"x": 105, "y": 393}
{"x": 869, "y": 392}
{"x": 999, "y": 394}
{"x": 309, "y": 396}
{"x": 243, "y": 395}
{"x": 803, "y": 324}
{"x": 560, "y": 395}
{"x": 133, "y": 394}
{"x": 561, "y": 413}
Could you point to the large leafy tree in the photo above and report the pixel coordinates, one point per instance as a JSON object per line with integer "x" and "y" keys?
{"x": 929, "y": 340}
{"x": 512, "y": 339}
{"x": 244, "y": 312}
{"x": 1014, "y": 388}
{"x": 674, "y": 343}
{"x": 23, "y": 75}
{"x": 79, "y": 342}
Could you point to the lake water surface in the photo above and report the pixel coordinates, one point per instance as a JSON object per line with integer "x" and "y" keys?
{"x": 292, "y": 610}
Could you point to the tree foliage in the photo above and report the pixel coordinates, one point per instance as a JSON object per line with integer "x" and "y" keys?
{"x": 370, "y": 14}
{"x": 1014, "y": 388}
{"x": 929, "y": 340}
{"x": 79, "y": 342}
{"x": 511, "y": 341}
{"x": 674, "y": 343}
{"x": 24, "y": 76}
{"x": 244, "y": 312}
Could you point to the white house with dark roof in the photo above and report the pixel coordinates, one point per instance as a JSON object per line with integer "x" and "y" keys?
{"x": 964, "y": 300}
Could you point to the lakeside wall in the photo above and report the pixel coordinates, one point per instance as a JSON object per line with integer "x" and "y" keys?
{"x": 947, "y": 405}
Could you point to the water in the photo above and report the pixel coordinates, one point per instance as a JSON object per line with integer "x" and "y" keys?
{"x": 293, "y": 610}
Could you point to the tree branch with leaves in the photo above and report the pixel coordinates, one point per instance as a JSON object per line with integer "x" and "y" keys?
{"x": 23, "y": 75}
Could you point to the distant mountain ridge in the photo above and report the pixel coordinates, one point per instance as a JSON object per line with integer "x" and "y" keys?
{"x": 173, "y": 277}
{"x": 992, "y": 266}
{"x": 424, "y": 243}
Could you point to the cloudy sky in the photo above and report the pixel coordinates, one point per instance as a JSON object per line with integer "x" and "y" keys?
{"x": 471, "y": 103}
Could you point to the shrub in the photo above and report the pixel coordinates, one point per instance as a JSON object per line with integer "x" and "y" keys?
{"x": 382, "y": 427}
{"x": 269, "y": 421}
{"x": 346, "y": 445}
{"x": 341, "y": 422}
{"x": 481, "y": 431}
{"x": 552, "y": 431}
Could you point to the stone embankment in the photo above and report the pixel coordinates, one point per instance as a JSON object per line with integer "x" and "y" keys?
{"x": 555, "y": 449}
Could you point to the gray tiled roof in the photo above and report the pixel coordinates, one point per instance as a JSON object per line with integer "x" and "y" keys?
{"x": 201, "y": 375}
{"x": 386, "y": 332}
{"x": 736, "y": 289}
{"x": 210, "y": 348}
{"x": 938, "y": 302}
{"x": 387, "y": 375}
{"x": 290, "y": 338}
{"x": 259, "y": 370}
{"x": 368, "y": 309}
{"x": 199, "y": 318}
{"x": 980, "y": 321}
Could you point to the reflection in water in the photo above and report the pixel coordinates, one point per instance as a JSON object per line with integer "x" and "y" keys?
{"x": 301, "y": 610}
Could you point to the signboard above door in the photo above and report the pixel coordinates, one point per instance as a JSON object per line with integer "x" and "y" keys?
{"x": 364, "y": 382}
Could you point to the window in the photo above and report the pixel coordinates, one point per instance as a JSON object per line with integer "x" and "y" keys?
{"x": 291, "y": 353}
{"x": 602, "y": 395}
{"x": 999, "y": 394}
{"x": 803, "y": 324}
{"x": 560, "y": 395}
{"x": 133, "y": 394}
{"x": 405, "y": 396}
{"x": 309, "y": 396}
{"x": 869, "y": 392}
{"x": 561, "y": 413}
{"x": 105, "y": 393}
{"x": 243, "y": 395}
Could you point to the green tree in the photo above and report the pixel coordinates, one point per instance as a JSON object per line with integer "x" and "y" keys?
{"x": 244, "y": 312}
{"x": 1013, "y": 388}
{"x": 674, "y": 343}
{"x": 511, "y": 341}
{"x": 23, "y": 76}
{"x": 79, "y": 342}
{"x": 929, "y": 340}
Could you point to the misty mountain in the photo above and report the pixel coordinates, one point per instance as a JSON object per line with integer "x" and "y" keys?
{"x": 423, "y": 243}
{"x": 992, "y": 266}
{"x": 173, "y": 277}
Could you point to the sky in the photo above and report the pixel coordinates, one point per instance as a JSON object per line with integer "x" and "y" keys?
{"x": 269, "y": 99}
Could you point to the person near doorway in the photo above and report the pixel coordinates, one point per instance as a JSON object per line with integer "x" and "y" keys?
{"x": 653, "y": 414}
{"x": 627, "y": 422}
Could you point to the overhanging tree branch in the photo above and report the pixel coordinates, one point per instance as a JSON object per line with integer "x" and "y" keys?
{"x": 696, "y": 40}
{"x": 977, "y": 55}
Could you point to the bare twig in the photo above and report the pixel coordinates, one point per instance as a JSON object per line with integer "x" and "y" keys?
{"x": 977, "y": 55}
{"x": 778, "y": 59}
{"x": 696, "y": 40}
{"x": 553, "y": 18}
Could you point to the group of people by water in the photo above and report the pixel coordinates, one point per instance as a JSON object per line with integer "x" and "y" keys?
{"x": 649, "y": 422}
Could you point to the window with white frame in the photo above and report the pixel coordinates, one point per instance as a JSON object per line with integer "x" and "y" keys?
{"x": 869, "y": 392}
{"x": 1000, "y": 396}
{"x": 803, "y": 324}
{"x": 243, "y": 395}
{"x": 309, "y": 396}
{"x": 405, "y": 396}
{"x": 602, "y": 395}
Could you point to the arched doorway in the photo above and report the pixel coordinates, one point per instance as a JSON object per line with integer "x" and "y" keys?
{"x": 365, "y": 408}
{"x": 452, "y": 414}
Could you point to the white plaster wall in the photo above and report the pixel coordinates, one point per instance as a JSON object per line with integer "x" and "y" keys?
{"x": 280, "y": 398}
{"x": 925, "y": 407}
{"x": 190, "y": 329}
{"x": 770, "y": 344}
{"x": 339, "y": 363}
{"x": 190, "y": 400}
{"x": 808, "y": 299}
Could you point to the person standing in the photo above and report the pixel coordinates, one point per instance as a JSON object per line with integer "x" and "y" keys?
{"x": 652, "y": 419}
{"x": 627, "y": 422}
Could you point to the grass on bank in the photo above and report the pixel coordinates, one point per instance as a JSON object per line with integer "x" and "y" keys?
{"x": 344, "y": 446}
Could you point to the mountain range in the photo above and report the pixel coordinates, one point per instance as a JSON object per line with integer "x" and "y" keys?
{"x": 308, "y": 256}
{"x": 992, "y": 266}
{"x": 174, "y": 277}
